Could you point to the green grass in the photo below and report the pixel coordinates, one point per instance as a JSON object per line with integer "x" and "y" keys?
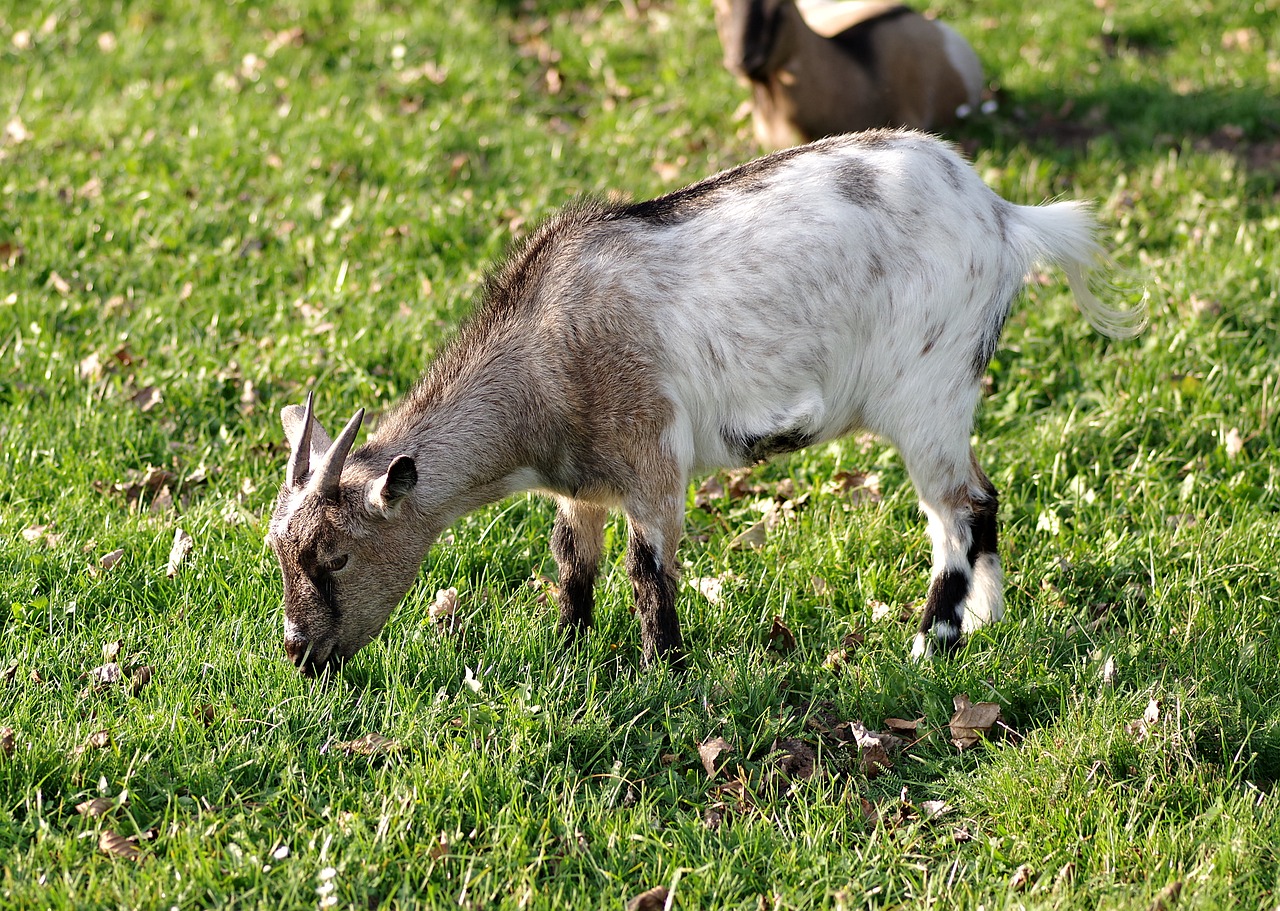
{"x": 235, "y": 202}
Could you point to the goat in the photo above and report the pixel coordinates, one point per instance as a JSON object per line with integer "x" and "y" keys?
{"x": 860, "y": 282}
{"x": 840, "y": 67}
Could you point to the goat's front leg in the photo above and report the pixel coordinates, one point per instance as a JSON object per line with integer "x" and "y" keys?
{"x": 576, "y": 543}
{"x": 656, "y": 525}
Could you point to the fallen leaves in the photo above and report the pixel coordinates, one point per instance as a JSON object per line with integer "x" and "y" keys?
{"x": 654, "y": 899}
{"x": 972, "y": 722}
{"x": 119, "y": 846}
{"x": 182, "y": 544}
{"x": 370, "y": 744}
{"x": 6, "y": 742}
{"x": 710, "y": 751}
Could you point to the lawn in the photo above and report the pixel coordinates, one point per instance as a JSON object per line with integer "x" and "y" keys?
{"x": 207, "y": 209}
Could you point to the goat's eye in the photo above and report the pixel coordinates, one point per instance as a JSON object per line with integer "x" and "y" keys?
{"x": 337, "y": 563}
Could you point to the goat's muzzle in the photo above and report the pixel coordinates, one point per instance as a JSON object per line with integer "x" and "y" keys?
{"x": 312, "y": 662}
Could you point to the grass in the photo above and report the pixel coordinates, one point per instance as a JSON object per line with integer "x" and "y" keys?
{"x": 227, "y": 204}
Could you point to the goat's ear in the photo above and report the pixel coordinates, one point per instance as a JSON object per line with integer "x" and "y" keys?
{"x": 292, "y": 416}
{"x": 389, "y": 491}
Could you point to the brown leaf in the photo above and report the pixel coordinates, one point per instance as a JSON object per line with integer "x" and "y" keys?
{"x": 1167, "y": 898}
{"x": 182, "y": 544}
{"x": 972, "y": 722}
{"x": 140, "y": 678}
{"x": 753, "y": 538}
{"x": 781, "y": 639}
{"x": 368, "y": 745}
{"x": 6, "y": 742}
{"x": 439, "y": 849}
{"x": 10, "y": 673}
{"x": 444, "y": 606}
{"x": 796, "y": 760}
{"x": 118, "y": 845}
{"x": 106, "y": 675}
{"x": 873, "y": 749}
{"x": 147, "y": 398}
{"x": 97, "y": 740}
{"x": 1021, "y": 878}
{"x": 108, "y": 561}
{"x": 902, "y": 726}
{"x": 861, "y": 489}
{"x": 710, "y": 751}
{"x": 1150, "y": 718}
{"x": 838, "y": 658}
{"x": 98, "y": 806}
{"x": 10, "y": 253}
{"x": 654, "y": 899}
{"x": 207, "y": 714}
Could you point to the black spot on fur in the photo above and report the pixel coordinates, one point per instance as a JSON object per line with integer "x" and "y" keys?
{"x": 931, "y": 338}
{"x": 989, "y": 340}
{"x": 982, "y": 524}
{"x": 858, "y": 40}
{"x": 759, "y": 448}
{"x": 691, "y": 201}
{"x": 946, "y": 595}
{"x": 857, "y": 182}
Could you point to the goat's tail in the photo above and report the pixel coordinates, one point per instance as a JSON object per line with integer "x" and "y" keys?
{"x": 1065, "y": 234}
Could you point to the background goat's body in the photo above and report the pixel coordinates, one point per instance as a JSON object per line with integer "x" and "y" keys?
{"x": 822, "y": 68}
{"x": 860, "y": 282}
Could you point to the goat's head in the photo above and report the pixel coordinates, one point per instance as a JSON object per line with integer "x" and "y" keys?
{"x": 750, "y": 34}
{"x": 348, "y": 551}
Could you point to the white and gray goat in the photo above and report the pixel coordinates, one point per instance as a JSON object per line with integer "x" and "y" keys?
{"x": 821, "y": 68}
{"x": 860, "y": 282}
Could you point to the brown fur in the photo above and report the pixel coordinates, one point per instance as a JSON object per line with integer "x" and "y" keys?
{"x": 813, "y": 84}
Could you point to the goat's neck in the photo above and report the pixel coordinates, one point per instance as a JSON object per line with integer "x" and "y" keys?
{"x": 470, "y": 434}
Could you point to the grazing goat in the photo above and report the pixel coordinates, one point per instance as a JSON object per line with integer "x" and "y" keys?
{"x": 860, "y": 282}
{"x": 845, "y": 66}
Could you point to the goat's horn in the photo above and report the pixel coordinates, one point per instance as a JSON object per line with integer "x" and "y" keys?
{"x": 300, "y": 458}
{"x": 329, "y": 471}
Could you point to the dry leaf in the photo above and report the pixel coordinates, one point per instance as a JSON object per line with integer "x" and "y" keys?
{"x": 861, "y": 488}
{"x": 10, "y": 672}
{"x": 147, "y": 398}
{"x": 445, "y": 605}
{"x": 934, "y": 808}
{"x": 140, "y": 678}
{"x": 98, "y": 806}
{"x": 972, "y": 722}
{"x": 111, "y": 650}
{"x": 182, "y": 544}
{"x": 1167, "y": 898}
{"x": 654, "y": 899}
{"x": 1234, "y": 443}
{"x": 10, "y": 253}
{"x": 902, "y": 726}
{"x": 6, "y": 741}
{"x": 106, "y": 675}
{"x": 368, "y": 745}
{"x": 710, "y": 587}
{"x": 108, "y": 561}
{"x": 873, "y": 749}
{"x": 796, "y": 759}
{"x": 710, "y": 751}
{"x": 754, "y": 537}
{"x": 118, "y": 845}
{"x": 97, "y": 741}
{"x": 781, "y": 639}
{"x": 838, "y": 658}
{"x": 1108, "y": 672}
{"x": 439, "y": 849}
{"x": 1021, "y": 878}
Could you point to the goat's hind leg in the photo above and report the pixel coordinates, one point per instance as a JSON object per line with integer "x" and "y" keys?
{"x": 966, "y": 587}
{"x": 576, "y": 542}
